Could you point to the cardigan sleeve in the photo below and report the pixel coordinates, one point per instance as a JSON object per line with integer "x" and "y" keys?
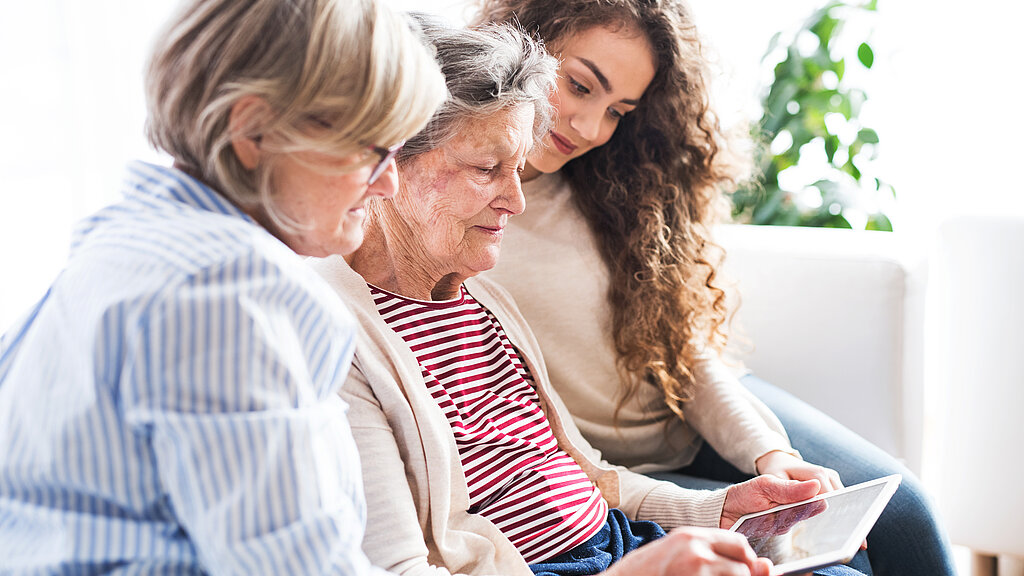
{"x": 394, "y": 534}
{"x": 736, "y": 424}
{"x": 640, "y": 497}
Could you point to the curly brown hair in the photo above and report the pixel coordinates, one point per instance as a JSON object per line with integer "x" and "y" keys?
{"x": 651, "y": 193}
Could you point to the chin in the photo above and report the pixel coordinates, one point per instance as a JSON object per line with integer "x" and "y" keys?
{"x": 347, "y": 244}
{"x": 550, "y": 162}
{"x": 485, "y": 263}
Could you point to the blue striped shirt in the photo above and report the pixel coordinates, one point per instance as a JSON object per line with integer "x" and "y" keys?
{"x": 169, "y": 405}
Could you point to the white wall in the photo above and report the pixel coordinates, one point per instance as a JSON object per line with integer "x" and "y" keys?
{"x": 72, "y": 116}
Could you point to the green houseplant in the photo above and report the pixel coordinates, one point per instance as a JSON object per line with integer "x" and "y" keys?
{"x": 814, "y": 158}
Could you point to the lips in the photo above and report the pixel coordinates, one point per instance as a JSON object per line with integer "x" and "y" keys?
{"x": 563, "y": 144}
{"x": 496, "y": 231}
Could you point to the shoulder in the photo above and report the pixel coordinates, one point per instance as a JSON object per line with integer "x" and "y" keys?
{"x": 170, "y": 223}
{"x": 161, "y": 259}
{"x": 381, "y": 355}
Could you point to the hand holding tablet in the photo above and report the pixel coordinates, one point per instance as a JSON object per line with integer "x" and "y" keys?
{"x": 824, "y": 530}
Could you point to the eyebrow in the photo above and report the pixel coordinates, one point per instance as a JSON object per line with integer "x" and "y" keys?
{"x": 603, "y": 80}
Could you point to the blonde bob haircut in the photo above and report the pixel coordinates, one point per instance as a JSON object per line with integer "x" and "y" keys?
{"x": 355, "y": 66}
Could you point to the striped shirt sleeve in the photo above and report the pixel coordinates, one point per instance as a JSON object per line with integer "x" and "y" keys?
{"x": 232, "y": 378}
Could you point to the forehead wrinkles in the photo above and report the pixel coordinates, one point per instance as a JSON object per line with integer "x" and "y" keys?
{"x": 501, "y": 135}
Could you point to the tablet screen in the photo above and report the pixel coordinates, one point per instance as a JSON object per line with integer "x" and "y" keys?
{"x": 826, "y": 527}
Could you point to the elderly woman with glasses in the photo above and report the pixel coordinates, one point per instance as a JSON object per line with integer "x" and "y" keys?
{"x": 169, "y": 405}
{"x": 471, "y": 462}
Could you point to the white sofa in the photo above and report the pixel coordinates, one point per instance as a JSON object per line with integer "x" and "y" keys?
{"x": 915, "y": 348}
{"x": 826, "y": 315}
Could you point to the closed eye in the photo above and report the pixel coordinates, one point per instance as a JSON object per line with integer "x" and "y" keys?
{"x": 577, "y": 87}
{"x": 320, "y": 122}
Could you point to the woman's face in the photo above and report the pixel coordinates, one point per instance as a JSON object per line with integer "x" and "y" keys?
{"x": 456, "y": 200}
{"x": 329, "y": 205}
{"x": 604, "y": 73}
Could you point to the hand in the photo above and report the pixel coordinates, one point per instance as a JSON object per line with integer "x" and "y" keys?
{"x": 762, "y": 493}
{"x": 790, "y": 467}
{"x": 787, "y": 466}
{"x": 693, "y": 551}
{"x": 767, "y": 525}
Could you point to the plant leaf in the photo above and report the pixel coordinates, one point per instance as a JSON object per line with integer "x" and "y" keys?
{"x": 868, "y": 136}
{"x": 879, "y": 221}
{"x": 831, "y": 146}
{"x": 866, "y": 55}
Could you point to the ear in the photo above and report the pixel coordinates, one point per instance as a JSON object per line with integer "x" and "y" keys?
{"x": 248, "y": 115}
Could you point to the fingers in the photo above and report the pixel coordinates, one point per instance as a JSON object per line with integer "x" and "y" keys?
{"x": 829, "y": 479}
{"x": 731, "y": 569}
{"x": 837, "y": 483}
{"x": 826, "y": 477}
{"x": 710, "y": 552}
{"x": 788, "y": 466}
{"x": 762, "y": 493}
{"x": 733, "y": 546}
{"x": 761, "y": 567}
{"x": 826, "y": 482}
{"x": 794, "y": 490}
{"x": 756, "y": 567}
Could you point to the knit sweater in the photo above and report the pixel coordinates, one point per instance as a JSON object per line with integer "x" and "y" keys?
{"x": 551, "y": 266}
{"x": 416, "y": 494}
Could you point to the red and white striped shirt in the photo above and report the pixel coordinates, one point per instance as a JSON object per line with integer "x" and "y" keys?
{"x": 518, "y": 477}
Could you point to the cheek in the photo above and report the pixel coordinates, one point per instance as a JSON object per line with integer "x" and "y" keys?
{"x": 426, "y": 207}
{"x": 345, "y": 191}
{"x": 474, "y": 196}
{"x": 607, "y": 131}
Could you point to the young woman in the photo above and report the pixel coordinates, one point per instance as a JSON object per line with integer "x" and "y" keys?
{"x": 614, "y": 267}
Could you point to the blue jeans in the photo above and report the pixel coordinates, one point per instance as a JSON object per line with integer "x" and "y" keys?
{"x": 907, "y": 540}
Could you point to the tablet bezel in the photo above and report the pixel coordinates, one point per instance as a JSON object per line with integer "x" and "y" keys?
{"x": 848, "y": 549}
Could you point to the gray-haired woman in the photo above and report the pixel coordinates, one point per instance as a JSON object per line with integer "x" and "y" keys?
{"x": 470, "y": 461}
{"x": 169, "y": 405}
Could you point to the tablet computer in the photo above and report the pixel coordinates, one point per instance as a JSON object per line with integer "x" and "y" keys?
{"x": 827, "y": 529}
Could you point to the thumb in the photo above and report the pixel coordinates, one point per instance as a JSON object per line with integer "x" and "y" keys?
{"x": 795, "y": 490}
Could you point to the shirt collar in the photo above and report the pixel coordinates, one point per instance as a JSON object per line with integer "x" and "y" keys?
{"x": 153, "y": 181}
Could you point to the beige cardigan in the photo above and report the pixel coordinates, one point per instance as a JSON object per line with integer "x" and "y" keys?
{"x": 551, "y": 266}
{"x": 416, "y": 492}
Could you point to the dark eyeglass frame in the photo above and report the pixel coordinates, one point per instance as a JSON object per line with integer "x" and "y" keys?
{"x": 386, "y": 156}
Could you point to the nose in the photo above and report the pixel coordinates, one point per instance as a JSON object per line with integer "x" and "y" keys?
{"x": 512, "y": 199}
{"x": 386, "y": 185}
{"x": 587, "y": 123}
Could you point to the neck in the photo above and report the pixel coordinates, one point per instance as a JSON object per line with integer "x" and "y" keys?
{"x": 391, "y": 258}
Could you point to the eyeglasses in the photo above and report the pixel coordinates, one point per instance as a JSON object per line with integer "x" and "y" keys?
{"x": 386, "y": 156}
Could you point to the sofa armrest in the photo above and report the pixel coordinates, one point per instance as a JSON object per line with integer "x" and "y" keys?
{"x": 824, "y": 312}
{"x": 976, "y": 328}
